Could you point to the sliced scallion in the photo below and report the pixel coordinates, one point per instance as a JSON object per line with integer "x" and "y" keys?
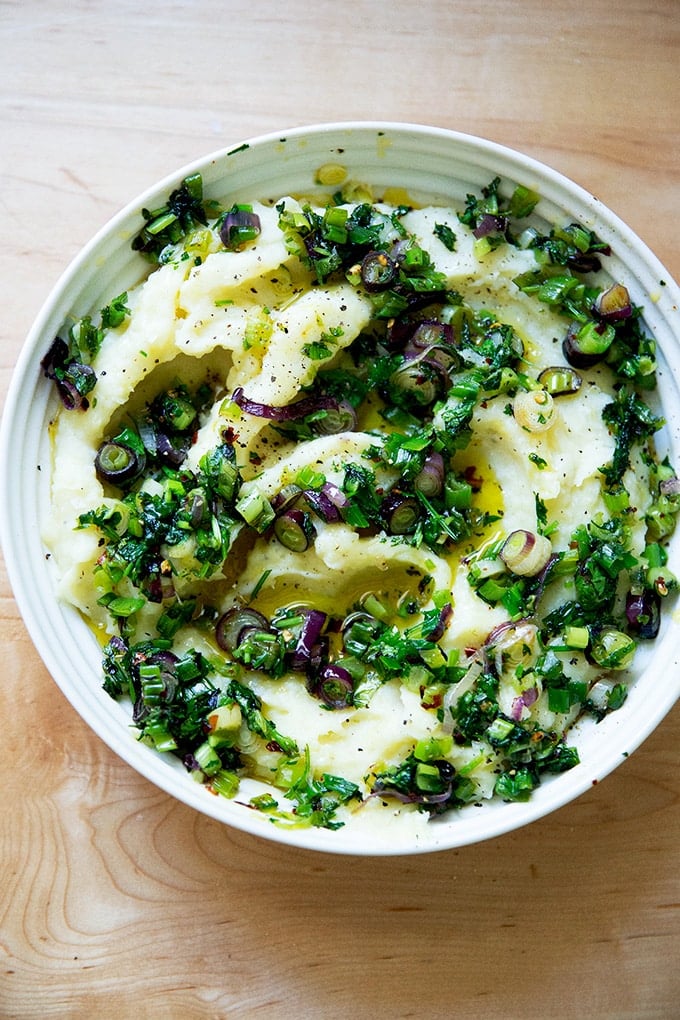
{"x": 294, "y": 529}
{"x": 526, "y": 553}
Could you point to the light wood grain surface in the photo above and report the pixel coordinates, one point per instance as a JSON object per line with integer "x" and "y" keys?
{"x": 117, "y": 901}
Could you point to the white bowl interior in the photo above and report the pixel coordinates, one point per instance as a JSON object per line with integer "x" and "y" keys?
{"x": 431, "y": 164}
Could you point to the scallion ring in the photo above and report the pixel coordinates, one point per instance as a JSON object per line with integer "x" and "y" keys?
{"x": 117, "y": 463}
{"x": 612, "y": 649}
{"x": 232, "y": 624}
{"x": 294, "y": 530}
{"x": 400, "y": 513}
{"x": 378, "y": 271}
{"x": 534, "y": 410}
{"x": 416, "y": 383}
{"x": 613, "y": 304}
{"x": 526, "y": 553}
{"x": 560, "y": 379}
{"x": 334, "y": 687}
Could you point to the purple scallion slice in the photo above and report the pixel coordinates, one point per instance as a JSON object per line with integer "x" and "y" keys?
{"x": 294, "y": 529}
{"x": 308, "y": 639}
{"x": 238, "y": 227}
{"x": 232, "y": 624}
{"x": 117, "y": 463}
{"x": 334, "y": 687}
{"x": 289, "y": 412}
{"x": 378, "y": 271}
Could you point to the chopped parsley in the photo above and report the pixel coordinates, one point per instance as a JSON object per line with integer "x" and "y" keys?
{"x": 424, "y": 367}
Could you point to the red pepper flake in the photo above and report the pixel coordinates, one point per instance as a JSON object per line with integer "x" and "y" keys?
{"x": 470, "y": 476}
{"x": 434, "y": 702}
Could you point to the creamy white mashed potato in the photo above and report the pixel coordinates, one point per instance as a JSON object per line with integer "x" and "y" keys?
{"x": 255, "y": 321}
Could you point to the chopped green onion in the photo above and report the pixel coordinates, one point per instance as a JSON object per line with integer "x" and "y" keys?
{"x": 256, "y": 510}
{"x": 577, "y": 637}
{"x": 612, "y": 649}
{"x": 208, "y": 759}
{"x": 526, "y": 553}
{"x": 225, "y": 783}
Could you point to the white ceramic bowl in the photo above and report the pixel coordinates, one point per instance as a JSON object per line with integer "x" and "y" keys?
{"x": 430, "y": 163}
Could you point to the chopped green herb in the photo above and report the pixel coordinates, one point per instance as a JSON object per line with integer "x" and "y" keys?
{"x": 430, "y": 368}
{"x": 445, "y": 235}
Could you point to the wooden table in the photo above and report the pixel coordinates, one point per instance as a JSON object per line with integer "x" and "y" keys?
{"x": 116, "y": 901}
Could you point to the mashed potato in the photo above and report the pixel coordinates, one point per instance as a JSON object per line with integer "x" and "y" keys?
{"x": 337, "y": 528}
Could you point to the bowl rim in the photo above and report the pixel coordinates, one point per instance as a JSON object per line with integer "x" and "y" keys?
{"x": 12, "y": 518}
